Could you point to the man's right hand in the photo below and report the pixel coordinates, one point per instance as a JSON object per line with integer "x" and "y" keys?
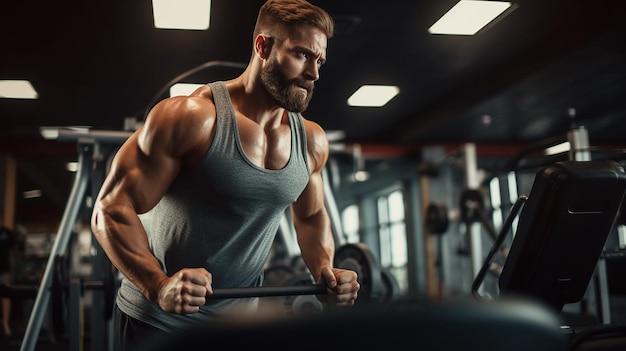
{"x": 185, "y": 291}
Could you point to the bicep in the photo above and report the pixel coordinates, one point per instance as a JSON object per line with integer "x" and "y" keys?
{"x": 311, "y": 201}
{"x": 140, "y": 174}
{"x": 147, "y": 163}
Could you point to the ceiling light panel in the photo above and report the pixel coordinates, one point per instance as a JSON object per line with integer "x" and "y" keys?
{"x": 373, "y": 95}
{"x": 17, "y": 89}
{"x": 467, "y": 17}
{"x": 182, "y": 14}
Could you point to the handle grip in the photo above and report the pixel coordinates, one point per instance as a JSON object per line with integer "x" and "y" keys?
{"x": 263, "y": 291}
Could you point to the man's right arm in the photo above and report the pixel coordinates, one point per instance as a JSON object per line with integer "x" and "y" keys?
{"x": 140, "y": 174}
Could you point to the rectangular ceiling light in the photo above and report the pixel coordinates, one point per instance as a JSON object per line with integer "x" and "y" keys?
{"x": 373, "y": 95}
{"x": 183, "y": 89}
{"x": 182, "y": 14}
{"x": 31, "y": 194}
{"x": 17, "y": 89}
{"x": 558, "y": 149}
{"x": 467, "y": 17}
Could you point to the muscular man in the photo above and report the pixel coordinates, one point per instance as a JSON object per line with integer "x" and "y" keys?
{"x": 194, "y": 197}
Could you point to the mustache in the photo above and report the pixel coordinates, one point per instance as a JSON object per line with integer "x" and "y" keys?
{"x": 306, "y": 84}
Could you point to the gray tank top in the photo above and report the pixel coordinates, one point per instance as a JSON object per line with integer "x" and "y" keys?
{"x": 222, "y": 215}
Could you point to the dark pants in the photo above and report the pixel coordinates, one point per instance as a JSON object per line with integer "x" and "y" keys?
{"x": 129, "y": 333}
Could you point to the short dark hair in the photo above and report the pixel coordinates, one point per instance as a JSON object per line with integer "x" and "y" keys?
{"x": 290, "y": 13}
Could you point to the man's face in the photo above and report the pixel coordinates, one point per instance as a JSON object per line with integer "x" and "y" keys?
{"x": 292, "y": 67}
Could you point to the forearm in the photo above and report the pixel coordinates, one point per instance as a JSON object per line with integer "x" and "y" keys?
{"x": 123, "y": 238}
{"x": 316, "y": 242}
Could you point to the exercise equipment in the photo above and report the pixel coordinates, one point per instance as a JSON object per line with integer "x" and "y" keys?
{"x": 567, "y": 217}
{"x": 378, "y": 285}
{"x": 92, "y": 147}
{"x": 472, "y": 208}
{"x": 264, "y": 291}
{"x": 437, "y": 219}
{"x": 296, "y": 290}
{"x": 497, "y": 244}
{"x": 610, "y": 337}
{"x": 60, "y": 296}
{"x": 437, "y": 222}
{"x": 293, "y": 295}
{"x": 61, "y": 292}
{"x": 571, "y": 210}
{"x": 358, "y": 258}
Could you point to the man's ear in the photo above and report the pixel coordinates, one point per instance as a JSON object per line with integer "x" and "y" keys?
{"x": 263, "y": 46}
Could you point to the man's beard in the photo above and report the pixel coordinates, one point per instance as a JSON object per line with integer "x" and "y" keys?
{"x": 283, "y": 90}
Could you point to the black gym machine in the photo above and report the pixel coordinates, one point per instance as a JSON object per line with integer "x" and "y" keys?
{"x": 558, "y": 246}
{"x": 563, "y": 225}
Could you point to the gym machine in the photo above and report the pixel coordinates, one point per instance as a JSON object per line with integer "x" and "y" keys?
{"x": 91, "y": 146}
{"x": 563, "y": 226}
{"x": 564, "y": 223}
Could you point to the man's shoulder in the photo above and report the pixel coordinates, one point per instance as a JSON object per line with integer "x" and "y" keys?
{"x": 180, "y": 120}
{"x": 203, "y": 91}
{"x": 312, "y": 128}
{"x": 185, "y": 107}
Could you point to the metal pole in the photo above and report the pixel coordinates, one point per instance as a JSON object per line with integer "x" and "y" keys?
{"x": 75, "y": 316}
{"x": 265, "y": 291}
{"x": 474, "y": 230}
{"x": 579, "y": 144}
{"x": 76, "y": 198}
{"x": 578, "y": 138}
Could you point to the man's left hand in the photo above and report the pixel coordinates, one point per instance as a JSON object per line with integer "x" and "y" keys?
{"x": 342, "y": 286}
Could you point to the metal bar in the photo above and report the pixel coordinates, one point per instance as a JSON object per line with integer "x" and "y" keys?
{"x": 61, "y": 241}
{"x": 496, "y": 246}
{"x": 602, "y": 281}
{"x": 84, "y": 135}
{"x": 474, "y": 229}
{"x": 264, "y": 291}
{"x": 75, "y": 316}
{"x": 579, "y": 144}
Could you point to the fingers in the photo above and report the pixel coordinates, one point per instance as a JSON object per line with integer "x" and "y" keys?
{"x": 328, "y": 277}
{"x": 185, "y": 291}
{"x": 347, "y": 287}
{"x": 342, "y": 285}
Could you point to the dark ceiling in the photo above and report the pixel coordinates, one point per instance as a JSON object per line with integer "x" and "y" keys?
{"x": 97, "y": 63}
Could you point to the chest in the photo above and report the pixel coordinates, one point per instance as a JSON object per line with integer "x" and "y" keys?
{"x": 268, "y": 148}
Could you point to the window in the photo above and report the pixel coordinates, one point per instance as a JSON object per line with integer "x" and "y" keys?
{"x": 392, "y": 232}
{"x": 351, "y": 223}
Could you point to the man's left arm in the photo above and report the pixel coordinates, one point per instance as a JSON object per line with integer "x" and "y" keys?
{"x": 312, "y": 225}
